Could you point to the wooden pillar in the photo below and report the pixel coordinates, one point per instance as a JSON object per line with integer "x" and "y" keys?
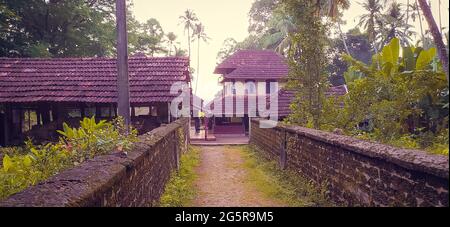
{"x": 7, "y": 124}
{"x": 98, "y": 111}
{"x": 21, "y": 120}
{"x": 82, "y": 110}
{"x": 133, "y": 112}
{"x": 38, "y": 116}
{"x": 115, "y": 110}
{"x": 168, "y": 113}
{"x": 45, "y": 113}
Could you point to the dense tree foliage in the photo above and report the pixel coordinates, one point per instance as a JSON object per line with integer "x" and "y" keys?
{"x": 397, "y": 92}
{"x": 401, "y": 98}
{"x": 71, "y": 28}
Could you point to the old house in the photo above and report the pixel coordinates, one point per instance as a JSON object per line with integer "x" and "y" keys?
{"x": 37, "y": 95}
{"x": 261, "y": 68}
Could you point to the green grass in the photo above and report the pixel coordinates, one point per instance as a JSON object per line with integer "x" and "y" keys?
{"x": 180, "y": 190}
{"x": 283, "y": 185}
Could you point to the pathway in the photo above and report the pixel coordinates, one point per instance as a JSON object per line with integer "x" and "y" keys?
{"x": 222, "y": 180}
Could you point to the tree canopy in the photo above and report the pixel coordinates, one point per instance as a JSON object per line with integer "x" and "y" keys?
{"x": 71, "y": 28}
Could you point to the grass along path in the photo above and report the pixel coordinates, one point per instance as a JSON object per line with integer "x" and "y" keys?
{"x": 180, "y": 190}
{"x": 227, "y": 176}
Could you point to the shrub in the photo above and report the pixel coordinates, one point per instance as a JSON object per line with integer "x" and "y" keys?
{"x": 401, "y": 99}
{"x": 29, "y": 165}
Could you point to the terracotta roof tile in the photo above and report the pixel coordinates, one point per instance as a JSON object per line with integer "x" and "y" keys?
{"x": 285, "y": 98}
{"x": 88, "y": 79}
{"x": 253, "y": 59}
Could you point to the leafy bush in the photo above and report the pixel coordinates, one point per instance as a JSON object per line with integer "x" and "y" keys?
{"x": 23, "y": 167}
{"x": 401, "y": 99}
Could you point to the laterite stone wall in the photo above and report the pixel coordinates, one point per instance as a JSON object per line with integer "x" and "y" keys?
{"x": 357, "y": 172}
{"x": 137, "y": 179}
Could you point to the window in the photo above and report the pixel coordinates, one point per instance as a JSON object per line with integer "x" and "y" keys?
{"x": 74, "y": 112}
{"x": 105, "y": 111}
{"x": 142, "y": 111}
{"x": 89, "y": 111}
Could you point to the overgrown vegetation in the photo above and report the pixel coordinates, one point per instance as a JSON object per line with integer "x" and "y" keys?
{"x": 283, "y": 185}
{"x": 180, "y": 190}
{"x": 401, "y": 98}
{"x": 76, "y": 28}
{"x": 29, "y": 165}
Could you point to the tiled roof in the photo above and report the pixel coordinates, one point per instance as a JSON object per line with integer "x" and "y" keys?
{"x": 252, "y": 59}
{"x": 92, "y": 80}
{"x": 259, "y": 72}
{"x": 285, "y": 97}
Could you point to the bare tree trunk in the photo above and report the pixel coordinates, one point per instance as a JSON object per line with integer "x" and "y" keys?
{"x": 343, "y": 39}
{"x": 407, "y": 15}
{"x": 437, "y": 36}
{"x": 420, "y": 23}
{"x": 123, "y": 101}
{"x": 198, "y": 65}
{"x": 440, "y": 17}
{"x": 189, "y": 43}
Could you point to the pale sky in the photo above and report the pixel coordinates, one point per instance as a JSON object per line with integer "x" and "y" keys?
{"x": 223, "y": 19}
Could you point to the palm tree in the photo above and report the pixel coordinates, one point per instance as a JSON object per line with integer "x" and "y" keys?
{"x": 415, "y": 14}
{"x": 199, "y": 35}
{"x": 171, "y": 37}
{"x": 277, "y": 37}
{"x": 437, "y": 36}
{"x": 188, "y": 20}
{"x": 370, "y": 20}
{"x": 334, "y": 12}
{"x": 394, "y": 25}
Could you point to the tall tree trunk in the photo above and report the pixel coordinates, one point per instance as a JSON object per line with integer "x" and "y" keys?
{"x": 440, "y": 16}
{"x": 407, "y": 16}
{"x": 343, "y": 39}
{"x": 189, "y": 43}
{"x": 198, "y": 64}
{"x": 437, "y": 36}
{"x": 420, "y": 23}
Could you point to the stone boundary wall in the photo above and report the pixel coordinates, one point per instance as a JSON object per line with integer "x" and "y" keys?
{"x": 114, "y": 180}
{"x": 357, "y": 172}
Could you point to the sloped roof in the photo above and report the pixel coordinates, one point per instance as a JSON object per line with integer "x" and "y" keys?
{"x": 285, "y": 98}
{"x": 92, "y": 80}
{"x": 252, "y": 59}
{"x": 259, "y": 72}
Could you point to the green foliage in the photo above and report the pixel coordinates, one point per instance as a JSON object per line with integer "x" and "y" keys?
{"x": 401, "y": 98}
{"x": 283, "y": 185}
{"x": 23, "y": 167}
{"x": 180, "y": 190}
{"x": 307, "y": 63}
{"x": 75, "y": 28}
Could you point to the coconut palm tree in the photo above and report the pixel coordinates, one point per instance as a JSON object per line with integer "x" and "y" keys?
{"x": 277, "y": 37}
{"x": 416, "y": 15}
{"x": 171, "y": 37}
{"x": 199, "y": 35}
{"x": 334, "y": 12}
{"x": 188, "y": 20}
{"x": 437, "y": 36}
{"x": 371, "y": 19}
{"x": 394, "y": 26}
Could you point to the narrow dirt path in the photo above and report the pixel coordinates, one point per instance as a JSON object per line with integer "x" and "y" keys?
{"x": 222, "y": 180}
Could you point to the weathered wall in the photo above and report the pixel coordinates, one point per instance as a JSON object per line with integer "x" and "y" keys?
{"x": 358, "y": 173}
{"x": 114, "y": 180}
